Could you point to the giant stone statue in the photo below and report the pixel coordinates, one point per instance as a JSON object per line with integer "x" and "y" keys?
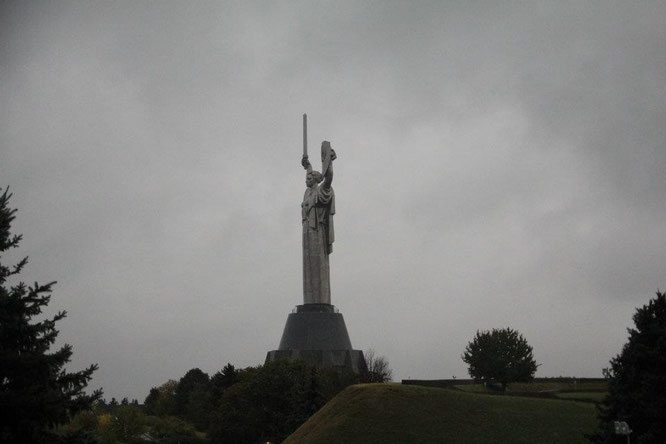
{"x": 317, "y": 210}
{"x": 316, "y": 331}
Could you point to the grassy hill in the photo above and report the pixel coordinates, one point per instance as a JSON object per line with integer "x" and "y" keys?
{"x": 393, "y": 413}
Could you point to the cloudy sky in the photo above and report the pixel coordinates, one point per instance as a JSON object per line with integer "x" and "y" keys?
{"x": 499, "y": 164}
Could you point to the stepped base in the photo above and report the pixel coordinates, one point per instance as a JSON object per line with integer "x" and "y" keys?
{"x": 317, "y": 334}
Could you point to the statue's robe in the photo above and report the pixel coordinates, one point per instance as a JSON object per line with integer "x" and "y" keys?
{"x": 317, "y": 210}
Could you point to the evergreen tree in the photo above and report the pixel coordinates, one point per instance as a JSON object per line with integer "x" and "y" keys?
{"x": 637, "y": 380}
{"x": 150, "y": 403}
{"x": 222, "y": 380}
{"x": 36, "y": 393}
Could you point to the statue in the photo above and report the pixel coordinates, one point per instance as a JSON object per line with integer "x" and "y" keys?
{"x": 315, "y": 331}
{"x": 317, "y": 211}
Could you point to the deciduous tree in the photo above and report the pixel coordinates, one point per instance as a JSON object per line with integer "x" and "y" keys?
{"x": 500, "y": 355}
{"x": 378, "y": 369}
{"x": 161, "y": 401}
{"x": 268, "y": 403}
{"x": 194, "y": 379}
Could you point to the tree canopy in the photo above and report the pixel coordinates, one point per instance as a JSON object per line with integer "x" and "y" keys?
{"x": 637, "y": 379}
{"x": 500, "y": 355}
{"x": 36, "y": 392}
{"x": 267, "y": 403}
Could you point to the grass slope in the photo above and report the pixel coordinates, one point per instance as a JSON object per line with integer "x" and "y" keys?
{"x": 393, "y": 413}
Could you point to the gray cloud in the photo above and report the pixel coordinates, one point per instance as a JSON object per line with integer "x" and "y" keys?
{"x": 498, "y": 165}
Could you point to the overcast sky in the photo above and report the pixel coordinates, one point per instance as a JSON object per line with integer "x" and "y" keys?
{"x": 500, "y": 164}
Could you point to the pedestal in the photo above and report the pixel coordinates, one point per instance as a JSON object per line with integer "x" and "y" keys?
{"x": 317, "y": 334}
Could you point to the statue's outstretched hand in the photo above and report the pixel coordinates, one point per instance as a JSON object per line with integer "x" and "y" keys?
{"x": 305, "y": 162}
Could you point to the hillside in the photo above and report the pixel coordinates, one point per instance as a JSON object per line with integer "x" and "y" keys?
{"x": 393, "y": 413}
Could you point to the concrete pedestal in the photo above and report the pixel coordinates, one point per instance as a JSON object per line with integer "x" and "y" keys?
{"x": 317, "y": 334}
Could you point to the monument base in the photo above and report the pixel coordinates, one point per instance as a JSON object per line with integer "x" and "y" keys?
{"x": 317, "y": 334}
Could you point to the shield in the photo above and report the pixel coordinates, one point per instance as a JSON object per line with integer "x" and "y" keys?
{"x": 325, "y": 156}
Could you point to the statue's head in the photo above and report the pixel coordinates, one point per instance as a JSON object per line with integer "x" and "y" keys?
{"x": 313, "y": 178}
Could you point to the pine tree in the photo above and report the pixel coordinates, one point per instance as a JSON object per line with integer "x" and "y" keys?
{"x": 36, "y": 392}
{"x": 637, "y": 379}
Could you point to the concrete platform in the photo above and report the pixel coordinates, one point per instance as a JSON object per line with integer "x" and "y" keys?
{"x": 317, "y": 334}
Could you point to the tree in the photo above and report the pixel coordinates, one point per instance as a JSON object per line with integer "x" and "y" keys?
{"x": 269, "y": 403}
{"x": 192, "y": 398}
{"x": 150, "y": 403}
{"x": 378, "y": 369}
{"x": 125, "y": 424}
{"x": 199, "y": 407}
{"x": 222, "y": 380}
{"x": 161, "y": 401}
{"x": 172, "y": 429}
{"x": 637, "y": 379}
{"x": 193, "y": 380}
{"x": 36, "y": 393}
{"x": 501, "y": 355}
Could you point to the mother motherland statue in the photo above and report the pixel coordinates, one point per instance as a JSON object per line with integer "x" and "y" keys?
{"x": 315, "y": 331}
{"x": 317, "y": 212}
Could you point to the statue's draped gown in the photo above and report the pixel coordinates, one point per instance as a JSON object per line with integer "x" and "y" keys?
{"x": 318, "y": 208}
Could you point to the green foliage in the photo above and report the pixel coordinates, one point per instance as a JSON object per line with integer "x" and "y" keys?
{"x": 393, "y": 413}
{"x": 169, "y": 426}
{"x": 222, "y": 380}
{"x": 192, "y": 380}
{"x": 124, "y": 424}
{"x": 199, "y": 407}
{"x": 150, "y": 403}
{"x": 637, "y": 379}
{"x": 501, "y": 355}
{"x": 253, "y": 404}
{"x": 85, "y": 420}
{"x": 82, "y": 429}
{"x": 192, "y": 398}
{"x": 161, "y": 401}
{"x": 331, "y": 381}
{"x": 36, "y": 393}
{"x": 128, "y": 422}
{"x": 270, "y": 402}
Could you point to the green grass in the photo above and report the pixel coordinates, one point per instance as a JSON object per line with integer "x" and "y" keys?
{"x": 393, "y": 413}
{"x": 582, "y": 396}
